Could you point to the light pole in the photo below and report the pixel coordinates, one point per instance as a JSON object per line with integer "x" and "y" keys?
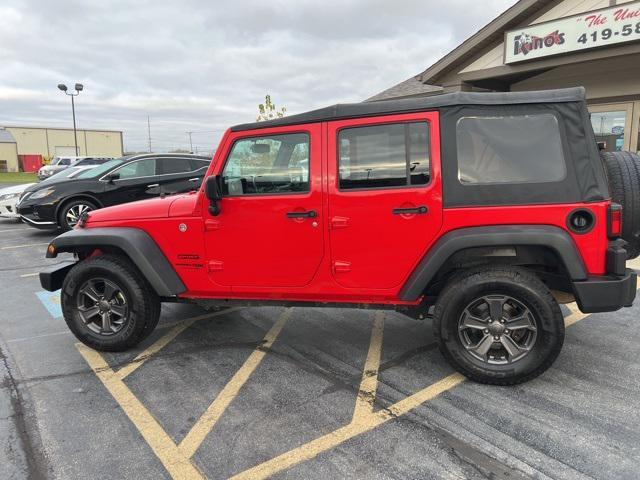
{"x": 190, "y": 142}
{"x": 78, "y": 87}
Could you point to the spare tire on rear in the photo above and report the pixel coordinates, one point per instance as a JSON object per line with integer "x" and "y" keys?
{"x": 623, "y": 171}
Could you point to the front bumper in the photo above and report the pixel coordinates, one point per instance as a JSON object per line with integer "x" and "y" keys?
{"x": 38, "y": 216}
{"x": 51, "y": 278}
{"x": 41, "y": 224}
{"x": 8, "y": 209}
{"x": 606, "y": 293}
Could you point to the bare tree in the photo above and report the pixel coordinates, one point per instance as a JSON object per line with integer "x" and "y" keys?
{"x": 269, "y": 111}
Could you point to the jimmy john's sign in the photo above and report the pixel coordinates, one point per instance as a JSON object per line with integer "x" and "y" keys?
{"x": 599, "y": 28}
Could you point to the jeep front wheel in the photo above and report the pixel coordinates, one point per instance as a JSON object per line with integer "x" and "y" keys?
{"x": 498, "y": 325}
{"x": 107, "y": 304}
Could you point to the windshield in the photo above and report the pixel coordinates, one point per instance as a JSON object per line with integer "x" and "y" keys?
{"x": 102, "y": 169}
{"x": 70, "y": 172}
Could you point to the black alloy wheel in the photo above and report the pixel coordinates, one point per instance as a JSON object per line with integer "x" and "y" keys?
{"x": 102, "y": 306}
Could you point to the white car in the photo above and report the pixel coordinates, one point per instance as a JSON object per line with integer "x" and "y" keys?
{"x": 9, "y": 197}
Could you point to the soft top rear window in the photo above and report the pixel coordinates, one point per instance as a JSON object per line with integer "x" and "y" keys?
{"x": 509, "y": 149}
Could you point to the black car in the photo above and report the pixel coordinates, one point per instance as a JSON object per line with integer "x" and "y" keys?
{"x": 59, "y": 204}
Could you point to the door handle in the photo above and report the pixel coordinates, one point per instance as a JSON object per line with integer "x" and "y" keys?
{"x": 153, "y": 185}
{"x": 421, "y": 210}
{"x": 193, "y": 179}
{"x": 309, "y": 214}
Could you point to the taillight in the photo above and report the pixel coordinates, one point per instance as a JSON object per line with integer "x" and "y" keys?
{"x": 615, "y": 220}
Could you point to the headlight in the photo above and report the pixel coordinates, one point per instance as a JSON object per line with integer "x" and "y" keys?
{"x": 9, "y": 196}
{"x": 41, "y": 193}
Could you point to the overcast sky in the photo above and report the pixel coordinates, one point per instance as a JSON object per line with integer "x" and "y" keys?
{"x": 202, "y": 65}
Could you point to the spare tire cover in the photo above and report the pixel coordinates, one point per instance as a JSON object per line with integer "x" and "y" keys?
{"x": 623, "y": 172}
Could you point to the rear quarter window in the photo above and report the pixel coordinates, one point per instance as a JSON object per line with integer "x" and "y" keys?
{"x": 509, "y": 149}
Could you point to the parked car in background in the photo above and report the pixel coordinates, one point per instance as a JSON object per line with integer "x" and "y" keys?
{"x": 9, "y": 197}
{"x": 60, "y": 163}
{"x": 59, "y": 204}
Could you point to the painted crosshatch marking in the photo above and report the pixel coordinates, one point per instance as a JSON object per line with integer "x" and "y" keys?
{"x": 176, "y": 457}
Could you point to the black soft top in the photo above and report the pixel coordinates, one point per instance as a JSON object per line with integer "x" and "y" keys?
{"x": 407, "y": 105}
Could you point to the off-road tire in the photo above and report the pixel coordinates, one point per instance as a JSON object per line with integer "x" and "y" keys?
{"x": 623, "y": 172}
{"x": 62, "y": 213}
{"x": 518, "y": 284}
{"x": 143, "y": 302}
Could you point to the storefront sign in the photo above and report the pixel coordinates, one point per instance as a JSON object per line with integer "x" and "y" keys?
{"x": 599, "y": 28}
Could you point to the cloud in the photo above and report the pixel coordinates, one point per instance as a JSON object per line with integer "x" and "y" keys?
{"x": 202, "y": 66}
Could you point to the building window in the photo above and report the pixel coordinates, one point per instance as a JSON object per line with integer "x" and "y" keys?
{"x": 383, "y": 156}
{"x": 609, "y": 129}
{"x": 509, "y": 149}
{"x": 267, "y": 165}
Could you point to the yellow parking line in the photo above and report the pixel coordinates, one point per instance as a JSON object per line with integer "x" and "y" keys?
{"x": 23, "y": 246}
{"x": 360, "y": 425}
{"x": 176, "y": 459}
{"x": 369, "y": 383}
{"x": 575, "y": 316}
{"x": 207, "y": 421}
{"x": 365, "y": 421}
{"x": 163, "y": 341}
{"x": 25, "y": 275}
{"x": 178, "y": 466}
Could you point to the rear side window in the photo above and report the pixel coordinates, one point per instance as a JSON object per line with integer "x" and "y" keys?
{"x": 510, "y": 149}
{"x": 137, "y": 169}
{"x": 383, "y": 156}
{"x": 199, "y": 164}
{"x": 169, "y": 165}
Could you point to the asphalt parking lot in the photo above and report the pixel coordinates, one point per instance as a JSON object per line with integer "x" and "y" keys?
{"x": 298, "y": 393}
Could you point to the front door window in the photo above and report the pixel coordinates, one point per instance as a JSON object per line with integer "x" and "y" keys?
{"x": 268, "y": 165}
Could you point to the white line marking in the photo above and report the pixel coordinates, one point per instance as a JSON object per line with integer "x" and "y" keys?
{"x": 29, "y": 275}
{"x": 13, "y": 229}
{"x": 23, "y": 246}
{"x": 24, "y": 339}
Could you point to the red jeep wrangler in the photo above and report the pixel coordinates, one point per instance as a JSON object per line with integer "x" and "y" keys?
{"x": 475, "y": 209}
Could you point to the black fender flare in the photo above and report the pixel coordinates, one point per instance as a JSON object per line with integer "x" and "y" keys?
{"x": 554, "y": 238}
{"x": 141, "y": 249}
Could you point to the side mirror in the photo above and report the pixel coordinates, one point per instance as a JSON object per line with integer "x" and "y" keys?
{"x": 112, "y": 177}
{"x": 213, "y": 191}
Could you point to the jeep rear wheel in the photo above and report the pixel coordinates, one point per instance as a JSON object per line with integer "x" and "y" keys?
{"x": 498, "y": 325}
{"x": 623, "y": 172}
{"x": 107, "y": 304}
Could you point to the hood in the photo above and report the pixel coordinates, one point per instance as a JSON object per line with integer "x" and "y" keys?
{"x": 47, "y": 183}
{"x": 15, "y": 189}
{"x": 144, "y": 209}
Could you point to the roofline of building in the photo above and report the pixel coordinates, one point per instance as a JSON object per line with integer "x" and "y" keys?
{"x": 27, "y": 127}
{"x": 487, "y": 35}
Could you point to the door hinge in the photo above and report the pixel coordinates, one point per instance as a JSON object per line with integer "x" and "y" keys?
{"x": 211, "y": 225}
{"x": 215, "y": 265}
{"x": 341, "y": 267}
{"x": 339, "y": 222}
